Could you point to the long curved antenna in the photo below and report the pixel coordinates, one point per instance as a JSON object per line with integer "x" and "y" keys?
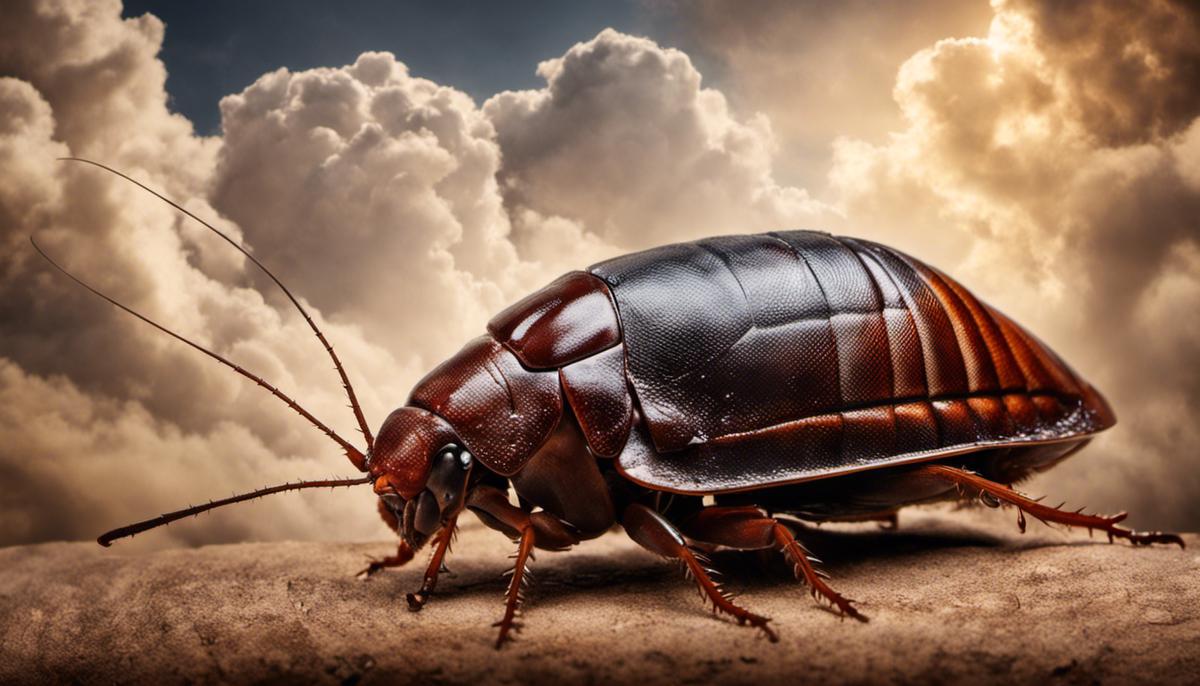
{"x": 164, "y": 519}
{"x": 356, "y": 457}
{"x": 358, "y": 413}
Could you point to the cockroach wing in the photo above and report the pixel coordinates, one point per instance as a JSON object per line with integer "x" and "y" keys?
{"x": 597, "y": 390}
{"x": 569, "y": 319}
{"x": 775, "y": 358}
{"x": 571, "y": 325}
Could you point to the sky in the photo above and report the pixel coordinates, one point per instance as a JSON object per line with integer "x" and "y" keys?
{"x": 410, "y": 169}
{"x": 220, "y": 47}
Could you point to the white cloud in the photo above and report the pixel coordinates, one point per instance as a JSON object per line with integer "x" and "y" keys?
{"x": 371, "y": 188}
{"x": 625, "y": 141}
{"x": 106, "y": 419}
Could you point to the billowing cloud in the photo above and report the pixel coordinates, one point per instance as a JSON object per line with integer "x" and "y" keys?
{"x": 104, "y": 419}
{"x": 626, "y": 142}
{"x": 1063, "y": 147}
{"x": 1125, "y": 67}
{"x": 385, "y": 200}
{"x": 1054, "y": 168}
{"x": 817, "y": 69}
{"x": 368, "y": 186}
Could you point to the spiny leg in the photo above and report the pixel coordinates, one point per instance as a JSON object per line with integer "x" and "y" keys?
{"x": 656, "y": 534}
{"x": 802, "y": 567}
{"x": 999, "y": 493}
{"x": 749, "y": 528}
{"x": 442, "y": 540}
{"x": 515, "y": 594}
{"x": 492, "y": 507}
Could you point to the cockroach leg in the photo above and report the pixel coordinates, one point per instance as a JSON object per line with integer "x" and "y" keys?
{"x": 654, "y": 533}
{"x": 515, "y": 595}
{"x": 492, "y": 507}
{"x": 1048, "y": 515}
{"x": 403, "y": 555}
{"x": 437, "y": 562}
{"x": 802, "y": 567}
{"x": 748, "y": 528}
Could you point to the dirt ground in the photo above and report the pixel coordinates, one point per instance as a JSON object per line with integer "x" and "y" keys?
{"x": 953, "y": 596}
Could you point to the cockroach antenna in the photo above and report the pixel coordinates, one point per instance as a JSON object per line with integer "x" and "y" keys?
{"x": 353, "y": 453}
{"x": 356, "y": 457}
{"x": 358, "y": 413}
{"x": 106, "y": 539}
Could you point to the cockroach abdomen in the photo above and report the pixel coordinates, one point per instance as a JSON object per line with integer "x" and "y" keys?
{"x": 791, "y": 356}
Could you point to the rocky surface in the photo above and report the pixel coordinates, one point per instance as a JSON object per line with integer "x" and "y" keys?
{"x": 953, "y": 596}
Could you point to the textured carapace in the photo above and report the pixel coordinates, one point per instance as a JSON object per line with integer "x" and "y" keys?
{"x": 571, "y": 318}
{"x": 502, "y": 410}
{"x": 797, "y": 355}
{"x": 597, "y": 390}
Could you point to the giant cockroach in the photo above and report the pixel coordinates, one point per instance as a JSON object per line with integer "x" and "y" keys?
{"x": 797, "y": 373}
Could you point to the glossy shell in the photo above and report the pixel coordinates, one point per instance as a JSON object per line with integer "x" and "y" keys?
{"x": 502, "y": 411}
{"x": 569, "y": 319}
{"x": 768, "y": 359}
{"x": 744, "y": 362}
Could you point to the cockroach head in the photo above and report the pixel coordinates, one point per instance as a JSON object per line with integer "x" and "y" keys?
{"x": 420, "y": 470}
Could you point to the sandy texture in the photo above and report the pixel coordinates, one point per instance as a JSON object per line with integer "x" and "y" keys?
{"x": 952, "y": 596}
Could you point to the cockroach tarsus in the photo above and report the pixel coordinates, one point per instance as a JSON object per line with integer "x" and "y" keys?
{"x": 756, "y": 381}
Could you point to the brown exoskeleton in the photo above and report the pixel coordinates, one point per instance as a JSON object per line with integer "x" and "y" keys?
{"x": 792, "y": 373}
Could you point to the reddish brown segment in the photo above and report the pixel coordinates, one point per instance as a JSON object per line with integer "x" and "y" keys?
{"x": 761, "y": 360}
{"x": 596, "y": 390}
{"x": 502, "y": 411}
{"x": 406, "y": 438}
{"x": 567, "y": 320}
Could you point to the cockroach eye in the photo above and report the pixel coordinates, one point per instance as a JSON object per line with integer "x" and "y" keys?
{"x": 464, "y": 459}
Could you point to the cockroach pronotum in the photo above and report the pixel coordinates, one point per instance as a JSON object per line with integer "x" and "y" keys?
{"x": 761, "y": 381}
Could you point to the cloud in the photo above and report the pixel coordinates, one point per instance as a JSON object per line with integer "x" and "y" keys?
{"x": 367, "y": 185}
{"x": 387, "y": 202}
{"x": 625, "y": 141}
{"x": 106, "y": 420}
{"x": 1063, "y": 146}
{"x": 76, "y": 463}
{"x": 1055, "y": 169}
{"x": 1124, "y": 66}
{"x": 817, "y": 69}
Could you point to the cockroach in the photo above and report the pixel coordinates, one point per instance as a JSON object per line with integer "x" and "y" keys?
{"x": 761, "y": 381}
